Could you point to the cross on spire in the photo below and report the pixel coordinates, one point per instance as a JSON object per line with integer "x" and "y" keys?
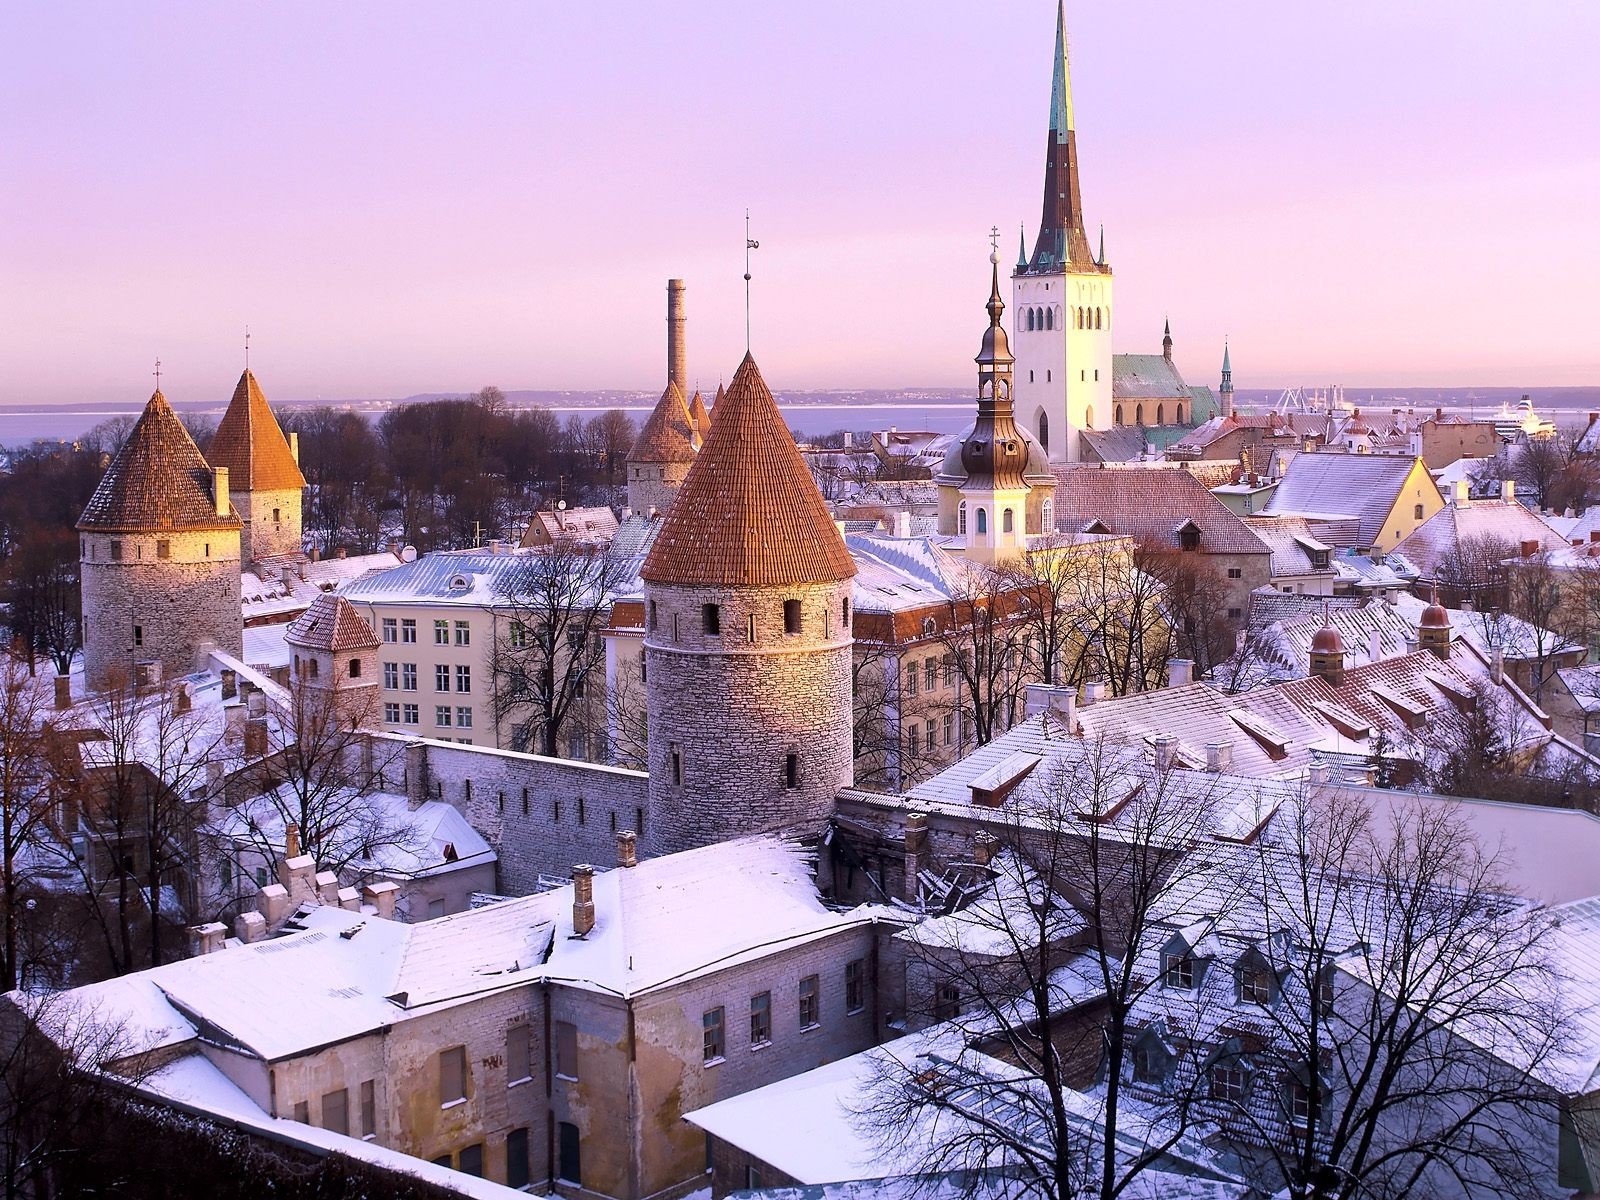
{"x": 157, "y": 374}
{"x": 994, "y": 238}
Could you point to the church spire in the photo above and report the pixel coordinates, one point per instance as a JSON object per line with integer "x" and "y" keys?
{"x": 1062, "y": 238}
{"x": 1022, "y": 248}
{"x": 1166, "y": 341}
{"x": 1225, "y": 391}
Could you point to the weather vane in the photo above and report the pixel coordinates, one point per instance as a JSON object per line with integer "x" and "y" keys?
{"x": 247, "y": 347}
{"x": 157, "y": 374}
{"x": 749, "y": 244}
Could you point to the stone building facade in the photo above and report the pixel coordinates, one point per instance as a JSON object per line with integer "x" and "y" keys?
{"x": 264, "y": 470}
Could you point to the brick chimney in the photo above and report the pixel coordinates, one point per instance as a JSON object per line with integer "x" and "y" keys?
{"x": 1219, "y": 757}
{"x": 219, "y": 490}
{"x": 207, "y": 939}
{"x": 291, "y": 840}
{"x": 582, "y": 900}
{"x": 382, "y": 897}
{"x": 1530, "y": 547}
{"x": 1180, "y": 672}
{"x": 1166, "y": 747}
{"x": 916, "y": 846}
{"x": 627, "y": 848}
{"x": 255, "y": 737}
{"x": 230, "y": 683}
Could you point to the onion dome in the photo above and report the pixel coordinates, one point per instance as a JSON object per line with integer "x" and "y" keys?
{"x": 1327, "y": 640}
{"x": 1435, "y": 616}
{"x": 159, "y": 480}
{"x": 749, "y": 512}
{"x": 250, "y": 443}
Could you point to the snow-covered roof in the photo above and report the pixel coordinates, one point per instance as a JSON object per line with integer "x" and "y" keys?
{"x": 282, "y": 589}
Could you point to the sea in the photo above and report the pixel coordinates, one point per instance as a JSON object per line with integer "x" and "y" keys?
{"x": 816, "y": 414}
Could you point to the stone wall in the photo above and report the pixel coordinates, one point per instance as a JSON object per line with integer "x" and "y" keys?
{"x": 730, "y": 707}
{"x": 174, "y": 602}
{"x": 654, "y": 485}
{"x": 262, "y": 535}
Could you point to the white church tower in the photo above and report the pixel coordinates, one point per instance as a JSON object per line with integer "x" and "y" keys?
{"x": 1061, "y": 297}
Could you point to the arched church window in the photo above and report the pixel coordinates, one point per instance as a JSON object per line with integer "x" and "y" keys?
{"x": 1028, "y": 320}
{"x": 1044, "y": 430}
{"x": 1047, "y": 517}
{"x": 1030, "y": 376}
{"x": 1097, "y": 318}
{"x": 961, "y": 518}
{"x": 1047, "y": 376}
{"x": 1078, "y": 318}
{"x": 983, "y": 522}
{"x": 1059, "y": 325}
{"x": 1008, "y": 522}
{"x": 1119, "y": 414}
{"x": 1138, "y": 414}
{"x": 1088, "y": 417}
{"x": 1161, "y": 410}
{"x": 1049, "y": 318}
{"x": 1180, "y": 414}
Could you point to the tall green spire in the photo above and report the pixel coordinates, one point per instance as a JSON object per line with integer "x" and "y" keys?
{"x": 1061, "y": 83}
{"x": 1022, "y": 248}
{"x": 1102, "y": 259}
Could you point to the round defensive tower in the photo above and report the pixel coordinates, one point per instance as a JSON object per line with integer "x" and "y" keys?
{"x": 747, "y": 638}
{"x": 159, "y": 557}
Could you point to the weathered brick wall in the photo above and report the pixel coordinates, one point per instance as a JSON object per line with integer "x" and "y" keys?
{"x": 732, "y": 1170}
{"x": 540, "y": 814}
{"x": 261, "y": 535}
{"x": 192, "y": 596}
{"x": 735, "y": 704}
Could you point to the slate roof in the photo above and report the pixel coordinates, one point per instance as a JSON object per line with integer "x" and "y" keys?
{"x": 1149, "y": 504}
{"x": 250, "y": 444}
{"x": 1433, "y": 541}
{"x": 1146, "y": 377}
{"x": 331, "y": 623}
{"x": 158, "y": 480}
{"x": 749, "y": 512}
{"x": 1123, "y": 443}
{"x": 1364, "y": 486}
{"x": 1291, "y": 541}
{"x": 667, "y": 435}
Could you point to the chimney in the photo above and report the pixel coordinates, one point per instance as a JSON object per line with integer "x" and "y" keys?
{"x": 350, "y": 899}
{"x": 315, "y": 554}
{"x": 1061, "y": 702}
{"x": 916, "y": 844}
{"x": 1319, "y": 772}
{"x": 1463, "y": 498}
{"x": 230, "y": 683}
{"x": 1375, "y": 646}
{"x": 1093, "y": 693}
{"x": 298, "y": 878}
{"x": 1508, "y": 490}
{"x": 1438, "y": 414}
{"x": 984, "y": 847}
{"x": 1412, "y": 644}
{"x": 255, "y": 737}
{"x": 63, "y": 691}
{"x": 1180, "y": 672}
{"x": 1219, "y": 757}
{"x": 182, "y": 699}
{"x": 582, "y": 900}
{"x": 1497, "y": 667}
{"x": 206, "y": 939}
{"x": 902, "y": 524}
{"x": 627, "y": 848}
{"x": 291, "y": 840}
{"x": 677, "y": 347}
{"x": 418, "y": 783}
{"x": 249, "y": 927}
{"x": 146, "y": 675}
{"x": 1466, "y": 604}
{"x": 273, "y": 904}
{"x": 287, "y": 578}
{"x": 214, "y": 773}
{"x": 294, "y": 446}
{"x": 219, "y": 490}
{"x": 1530, "y": 547}
{"x": 327, "y": 885}
{"x": 1166, "y": 746}
{"x": 382, "y": 897}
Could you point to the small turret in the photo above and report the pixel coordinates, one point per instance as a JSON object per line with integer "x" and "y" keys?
{"x": 1327, "y": 651}
{"x": 1166, "y": 341}
{"x": 1433, "y": 628}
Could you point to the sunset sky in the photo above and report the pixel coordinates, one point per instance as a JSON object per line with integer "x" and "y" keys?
{"x": 402, "y": 197}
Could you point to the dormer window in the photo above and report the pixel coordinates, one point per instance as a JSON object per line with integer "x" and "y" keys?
{"x": 1189, "y": 536}
{"x": 459, "y": 583}
{"x": 1254, "y": 977}
{"x": 1177, "y": 971}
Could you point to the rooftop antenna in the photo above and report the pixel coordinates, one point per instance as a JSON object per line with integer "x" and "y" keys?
{"x": 157, "y": 374}
{"x": 749, "y": 244}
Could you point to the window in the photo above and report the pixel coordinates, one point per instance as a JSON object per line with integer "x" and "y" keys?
{"x": 1417, "y": 512}
{"x": 408, "y": 677}
{"x": 471, "y": 1160}
{"x": 302, "y": 1112}
{"x": 930, "y": 672}
{"x": 855, "y": 985}
{"x": 452, "y": 1075}
{"x": 911, "y": 740}
{"x": 336, "y": 1111}
{"x": 582, "y": 815}
{"x": 1148, "y": 1066}
{"x": 791, "y": 616}
{"x": 715, "y": 1035}
{"x": 441, "y": 677}
{"x": 518, "y": 636}
{"x": 810, "y": 1008}
{"x": 411, "y": 715}
{"x": 791, "y": 770}
{"x": 844, "y": 612}
{"x": 1255, "y": 984}
{"x": 1298, "y": 1102}
{"x": 391, "y": 676}
{"x": 441, "y": 716}
{"x": 568, "y": 1167}
{"x": 760, "y": 1020}
{"x": 408, "y": 630}
{"x": 1235, "y": 572}
{"x": 518, "y": 1172}
{"x": 369, "y": 1109}
{"x": 138, "y": 635}
{"x": 753, "y": 1179}
{"x": 928, "y": 732}
{"x": 519, "y": 1053}
{"x": 391, "y": 631}
{"x": 1235, "y": 613}
{"x": 911, "y": 679}
{"x": 946, "y": 1002}
{"x": 391, "y": 714}
{"x": 949, "y": 664}
{"x": 463, "y": 633}
{"x": 164, "y": 547}
{"x": 463, "y": 716}
{"x": 1161, "y": 414}
{"x": 436, "y": 908}
{"x": 675, "y": 753}
{"x": 441, "y": 633}
{"x": 355, "y": 668}
{"x": 949, "y": 729}
{"x": 961, "y": 518}
{"x": 1189, "y": 537}
{"x": 1325, "y": 992}
{"x": 566, "y": 1050}
{"x": 463, "y": 677}
{"x": 710, "y": 619}
{"x": 1227, "y": 1082}
{"x": 983, "y": 522}
{"x": 1047, "y": 517}
{"x": 225, "y": 870}
{"x": 652, "y": 616}
{"x": 116, "y": 550}
{"x": 1178, "y": 971}
{"x": 1008, "y": 522}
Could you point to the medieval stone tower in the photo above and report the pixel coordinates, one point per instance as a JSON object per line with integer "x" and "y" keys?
{"x": 1061, "y": 296}
{"x": 666, "y": 447}
{"x": 747, "y": 637}
{"x": 335, "y": 665}
{"x": 264, "y": 473}
{"x": 159, "y": 556}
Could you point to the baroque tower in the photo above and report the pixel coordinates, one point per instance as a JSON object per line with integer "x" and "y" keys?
{"x": 747, "y": 637}
{"x": 995, "y": 485}
{"x": 263, "y": 472}
{"x": 159, "y": 557}
{"x": 1061, "y": 296}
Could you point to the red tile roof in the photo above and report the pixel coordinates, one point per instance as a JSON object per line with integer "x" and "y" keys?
{"x": 158, "y": 480}
{"x": 749, "y": 511}
{"x": 331, "y": 623}
{"x": 700, "y": 417}
{"x": 667, "y": 435}
{"x": 250, "y": 444}
{"x": 1149, "y": 504}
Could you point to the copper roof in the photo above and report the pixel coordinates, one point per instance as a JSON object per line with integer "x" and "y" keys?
{"x": 250, "y": 444}
{"x": 331, "y": 623}
{"x": 699, "y": 415}
{"x": 749, "y": 511}
{"x": 668, "y": 436}
{"x": 158, "y": 480}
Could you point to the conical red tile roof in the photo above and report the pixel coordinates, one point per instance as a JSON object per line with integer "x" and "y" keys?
{"x": 668, "y": 435}
{"x": 158, "y": 480}
{"x": 331, "y": 623}
{"x": 699, "y": 416}
{"x": 250, "y": 444}
{"x": 749, "y": 512}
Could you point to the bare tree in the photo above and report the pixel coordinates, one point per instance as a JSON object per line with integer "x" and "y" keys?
{"x": 1474, "y": 569}
{"x": 554, "y": 605}
{"x": 986, "y": 644}
{"x": 1124, "y": 635}
{"x": 1487, "y": 747}
{"x": 627, "y": 715}
{"x": 43, "y": 578}
{"x": 26, "y": 807}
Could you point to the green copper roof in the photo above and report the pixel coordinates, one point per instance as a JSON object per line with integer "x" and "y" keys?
{"x": 1061, "y": 84}
{"x": 1022, "y": 248}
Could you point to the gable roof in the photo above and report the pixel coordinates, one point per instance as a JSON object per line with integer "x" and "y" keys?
{"x": 251, "y": 445}
{"x": 1146, "y": 377}
{"x": 1364, "y": 486}
{"x": 331, "y": 623}
{"x": 1150, "y": 504}
{"x": 158, "y": 480}
{"x": 1506, "y": 520}
{"x": 668, "y": 434}
{"x": 749, "y": 512}
{"x": 1293, "y": 543}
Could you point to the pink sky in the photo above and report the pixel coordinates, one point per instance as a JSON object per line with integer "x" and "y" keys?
{"x": 402, "y": 197}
